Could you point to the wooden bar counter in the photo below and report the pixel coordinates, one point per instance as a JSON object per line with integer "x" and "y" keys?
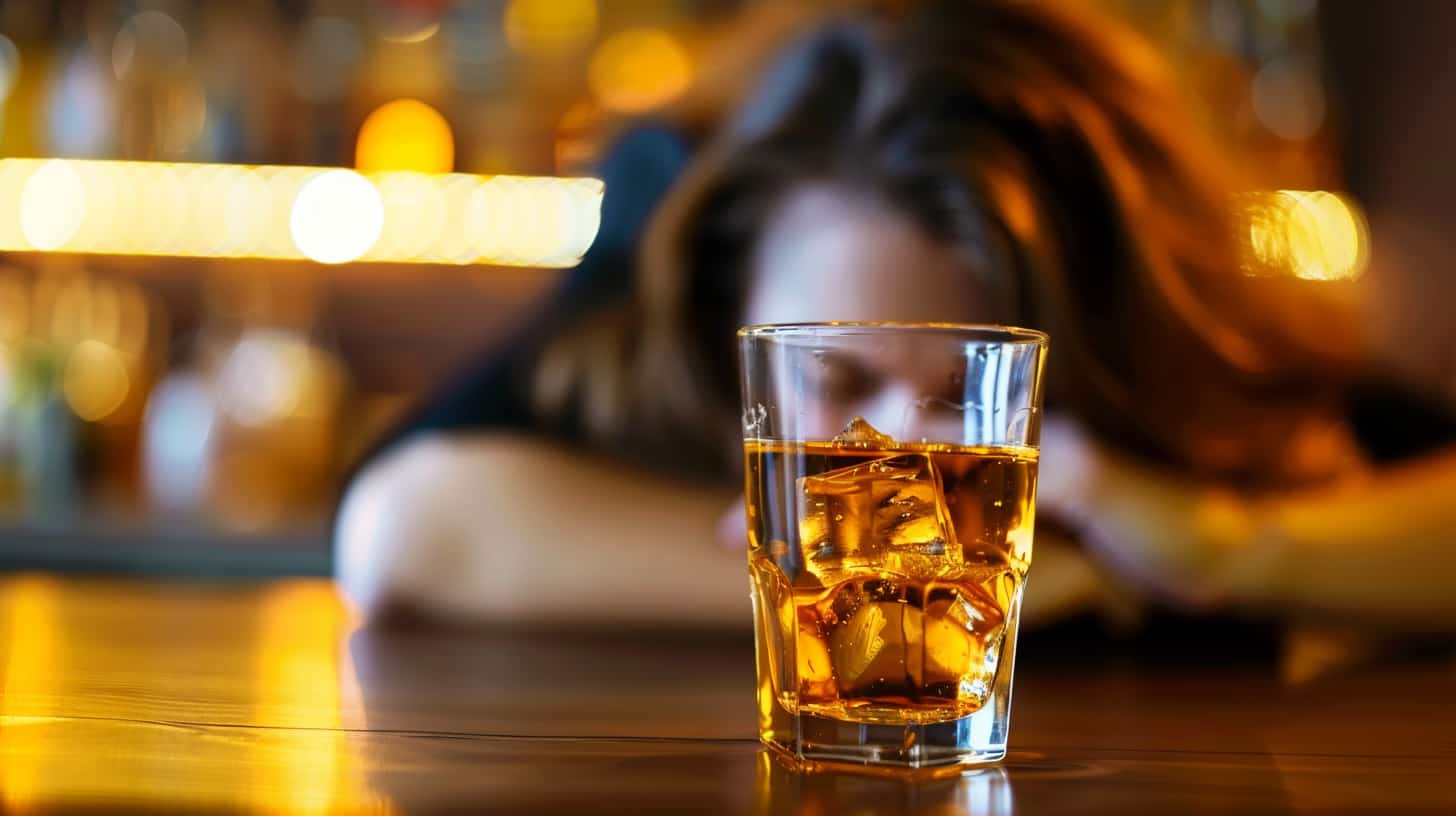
{"x": 131, "y": 696}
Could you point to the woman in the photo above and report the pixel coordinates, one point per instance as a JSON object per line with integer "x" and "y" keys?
{"x": 960, "y": 162}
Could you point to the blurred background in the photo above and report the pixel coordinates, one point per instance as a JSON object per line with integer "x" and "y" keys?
{"x": 194, "y": 347}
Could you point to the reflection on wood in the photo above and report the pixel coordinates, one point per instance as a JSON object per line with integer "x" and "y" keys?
{"x": 30, "y": 616}
{"x": 263, "y": 698}
{"x": 301, "y": 684}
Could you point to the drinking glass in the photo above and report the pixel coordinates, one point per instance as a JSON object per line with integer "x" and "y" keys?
{"x": 891, "y": 488}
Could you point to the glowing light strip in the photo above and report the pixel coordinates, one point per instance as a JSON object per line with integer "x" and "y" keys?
{"x": 329, "y": 215}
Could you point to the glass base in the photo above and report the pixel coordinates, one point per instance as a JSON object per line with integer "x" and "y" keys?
{"x": 784, "y": 788}
{"x": 827, "y": 744}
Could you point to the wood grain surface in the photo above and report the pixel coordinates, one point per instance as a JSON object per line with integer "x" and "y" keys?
{"x": 121, "y": 696}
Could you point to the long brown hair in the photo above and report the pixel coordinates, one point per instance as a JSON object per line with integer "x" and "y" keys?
{"x": 1056, "y": 154}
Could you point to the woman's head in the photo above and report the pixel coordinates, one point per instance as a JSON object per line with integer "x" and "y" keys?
{"x": 989, "y": 162}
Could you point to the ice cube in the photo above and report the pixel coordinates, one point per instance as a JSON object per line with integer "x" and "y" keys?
{"x": 859, "y": 433}
{"x": 816, "y": 668}
{"x": 964, "y": 625}
{"x": 896, "y": 642}
{"x": 774, "y": 616}
{"x": 885, "y": 514}
{"x": 859, "y": 644}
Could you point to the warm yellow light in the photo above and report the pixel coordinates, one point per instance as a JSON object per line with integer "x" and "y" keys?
{"x": 549, "y": 27}
{"x": 1312, "y": 235}
{"x": 121, "y": 197}
{"x": 246, "y": 206}
{"x": 455, "y": 244}
{"x": 637, "y": 70}
{"x": 284, "y": 185}
{"x": 95, "y": 380}
{"x": 585, "y": 201}
{"x": 488, "y": 219}
{"x": 304, "y": 680}
{"x": 34, "y": 659}
{"x": 98, "y": 219}
{"x": 417, "y": 35}
{"x": 331, "y": 215}
{"x": 337, "y": 217}
{"x": 405, "y": 134}
{"x": 52, "y": 205}
{"x": 415, "y": 215}
{"x": 207, "y": 200}
{"x": 164, "y": 201}
{"x": 514, "y": 218}
{"x": 1341, "y": 239}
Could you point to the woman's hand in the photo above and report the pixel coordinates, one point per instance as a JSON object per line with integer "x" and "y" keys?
{"x": 1169, "y": 536}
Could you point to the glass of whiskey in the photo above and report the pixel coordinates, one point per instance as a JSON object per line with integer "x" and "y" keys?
{"x": 890, "y": 477}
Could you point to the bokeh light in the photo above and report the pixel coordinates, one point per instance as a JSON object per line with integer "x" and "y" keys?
{"x": 491, "y": 221}
{"x": 549, "y": 27}
{"x": 405, "y": 134}
{"x": 81, "y": 113}
{"x": 262, "y": 379}
{"x": 454, "y": 244}
{"x": 418, "y": 34}
{"x": 52, "y": 205}
{"x": 408, "y": 22}
{"x": 95, "y": 380}
{"x": 180, "y": 419}
{"x": 246, "y": 206}
{"x": 1288, "y": 98}
{"x": 284, "y": 184}
{"x": 150, "y": 42}
{"x": 414, "y": 215}
{"x": 164, "y": 201}
{"x": 637, "y": 70}
{"x": 97, "y": 224}
{"x": 337, "y": 217}
{"x": 330, "y": 215}
{"x": 1311, "y": 235}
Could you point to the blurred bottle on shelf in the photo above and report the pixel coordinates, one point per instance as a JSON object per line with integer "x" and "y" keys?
{"x": 79, "y": 353}
{"x": 14, "y": 316}
{"x": 249, "y": 431}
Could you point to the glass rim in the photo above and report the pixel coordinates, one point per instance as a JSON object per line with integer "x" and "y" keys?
{"x": 978, "y": 332}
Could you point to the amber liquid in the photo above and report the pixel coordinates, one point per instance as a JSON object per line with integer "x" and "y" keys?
{"x": 885, "y": 577}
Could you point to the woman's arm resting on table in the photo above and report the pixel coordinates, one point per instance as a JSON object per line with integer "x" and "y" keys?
{"x": 509, "y": 529}
{"x": 1378, "y": 550}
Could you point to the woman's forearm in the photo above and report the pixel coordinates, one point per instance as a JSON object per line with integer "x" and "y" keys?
{"x": 510, "y": 529}
{"x": 1063, "y": 583}
{"x": 1379, "y": 551}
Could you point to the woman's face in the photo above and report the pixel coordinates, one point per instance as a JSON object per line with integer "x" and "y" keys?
{"x": 832, "y": 256}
